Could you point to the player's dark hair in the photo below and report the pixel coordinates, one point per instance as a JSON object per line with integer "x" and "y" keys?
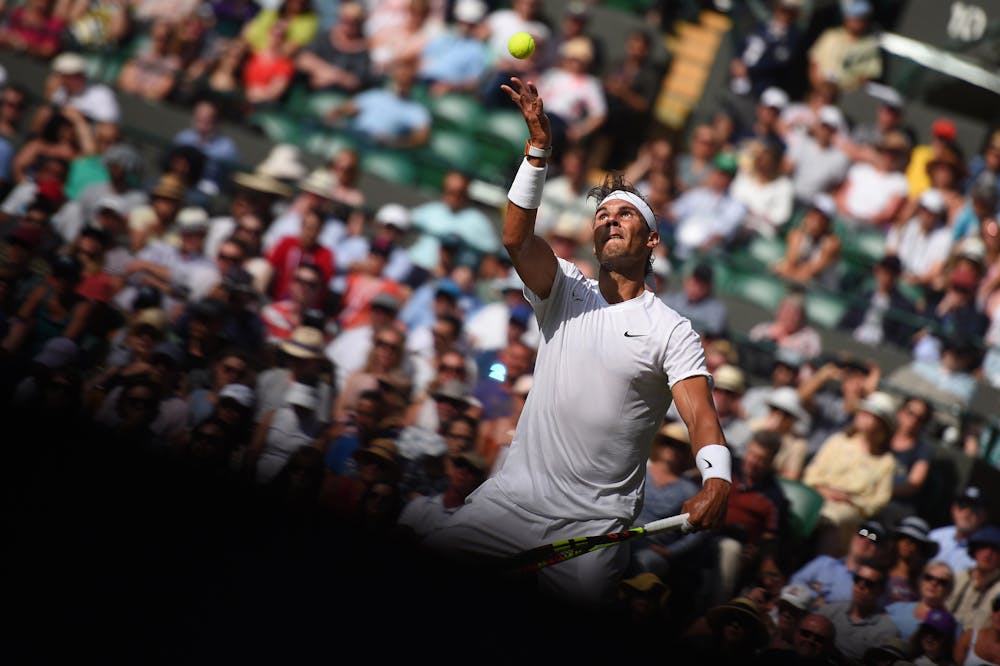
{"x": 615, "y": 180}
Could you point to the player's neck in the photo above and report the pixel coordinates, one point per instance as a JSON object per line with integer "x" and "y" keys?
{"x": 618, "y": 287}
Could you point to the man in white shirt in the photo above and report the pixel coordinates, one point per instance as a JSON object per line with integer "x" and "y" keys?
{"x": 816, "y": 164}
{"x": 69, "y": 87}
{"x": 923, "y": 244}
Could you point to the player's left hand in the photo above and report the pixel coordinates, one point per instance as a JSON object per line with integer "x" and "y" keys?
{"x": 707, "y": 508}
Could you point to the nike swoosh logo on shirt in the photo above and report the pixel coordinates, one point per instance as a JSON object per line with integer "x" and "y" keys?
{"x": 634, "y": 335}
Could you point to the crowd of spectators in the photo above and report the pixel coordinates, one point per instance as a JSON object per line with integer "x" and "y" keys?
{"x": 276, "y": 327}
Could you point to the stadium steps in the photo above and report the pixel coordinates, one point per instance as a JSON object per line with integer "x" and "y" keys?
{"x": 693, "y": 49}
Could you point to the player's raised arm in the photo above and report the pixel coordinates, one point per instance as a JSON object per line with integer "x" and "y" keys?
{"x": 532, "y": 257}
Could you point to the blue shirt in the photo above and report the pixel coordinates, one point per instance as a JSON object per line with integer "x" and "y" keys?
{"x": 220, "y": 151}
{"x": 955, "y": 553}
{"x": 828, "y": 577}
{"x": 6, "y": 157}
{"x": 382, "y": 114}
{"x": 435, "y": 220}
{"x": 453, "y": 58}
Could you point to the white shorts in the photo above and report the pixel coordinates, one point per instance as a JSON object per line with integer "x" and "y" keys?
{"x": 491, "y": 526}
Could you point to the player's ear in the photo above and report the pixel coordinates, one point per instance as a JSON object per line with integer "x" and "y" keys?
{"x": 653, "y": 240}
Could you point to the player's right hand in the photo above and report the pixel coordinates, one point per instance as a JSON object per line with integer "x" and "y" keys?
{"x": 707, "y": 509}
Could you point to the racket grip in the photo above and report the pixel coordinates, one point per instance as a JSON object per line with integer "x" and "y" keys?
{"x": 679, "y": 521}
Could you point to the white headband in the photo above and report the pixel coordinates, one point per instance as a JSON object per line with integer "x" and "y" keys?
{"x": 635, "y": 200}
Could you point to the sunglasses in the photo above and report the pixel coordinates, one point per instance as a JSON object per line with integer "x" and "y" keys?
{"x": 944, "y": 582}
{"x": 458, "y": 369}
{"x": 867, "y": 583}
{"x": 231, "y": 258}
{"x": 812, "y": 636}
{"x": 387, "y": 344}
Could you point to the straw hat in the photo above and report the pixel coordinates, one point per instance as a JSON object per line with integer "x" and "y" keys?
{"x": 319, "y": 182}
{"x": 305, "y": 342}
{"x": 744, "y": 611}
{"x": 169, "y": 186}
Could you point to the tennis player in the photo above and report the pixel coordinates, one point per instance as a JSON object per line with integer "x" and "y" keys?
{"x": 611, "y": 357}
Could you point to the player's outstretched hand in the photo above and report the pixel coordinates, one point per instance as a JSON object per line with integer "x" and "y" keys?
{"x": 707, "y": 508}
{"x": 525, "y": 96}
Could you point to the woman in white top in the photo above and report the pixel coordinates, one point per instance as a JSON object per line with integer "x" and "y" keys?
{"x": 981, "y": 647}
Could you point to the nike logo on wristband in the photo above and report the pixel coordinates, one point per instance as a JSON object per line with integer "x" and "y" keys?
{"x": 634, "y": 335}
{"x": 708, "y": 464}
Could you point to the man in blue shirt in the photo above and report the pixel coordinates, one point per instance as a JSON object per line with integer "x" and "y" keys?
{"x": 456, "y": 60}
{"x": 220, "y": 150}
{"x": 968, "y": 513}
{"x": 832, "y": 578}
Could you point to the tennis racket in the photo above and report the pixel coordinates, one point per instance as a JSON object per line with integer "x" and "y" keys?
{"x": 550, "y": 554}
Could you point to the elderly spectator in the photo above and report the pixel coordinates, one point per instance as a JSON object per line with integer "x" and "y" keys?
{"x": 873, "y": 194}
{"x": 937, "y": 580}
{"x": 853, "y": 471}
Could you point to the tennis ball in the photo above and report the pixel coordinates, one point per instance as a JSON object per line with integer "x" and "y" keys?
{"x": 521, "y": 45}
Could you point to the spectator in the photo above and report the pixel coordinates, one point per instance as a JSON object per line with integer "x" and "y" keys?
{"x": 912, "y": 550}
{"x": 494, "y": 388}
{"x": 873, "y": 194}
{"x": 33, "y": 28}
{"x": 946, "y": 174}
{"x": 813, "y": 248}
{"x": 861, "y": 623}
{"x": 833, "y": 392}
{"x": 969, "y": 512}
{"x": 765, "y": 191}
{"x": 291, "y": 252}
{"x": 453, "y": 213}
{"x": 853, "y": 471}
{"x": 978, "y": 207}
{"x": 230, "y": 367}
{"x": 68, "y": 86}
{"x": 815, "y": 163}
{"x": 304, "y": 292}
{"x": 978, "y": 644}
{"x": 65, "y": 137}
{"x": 832, "y": 577}
{"x": 281, "y": 431}
{"x": 376, "y": 464}
{"x": 934, "y": 642}
{"x": 565, "y": 197}
{"x": 631, "y": 86}
{"x": 986, "y": 164}
{"x": 405, "y": 41}
{"x": 341, "y": 441}
{"x": 882, "y": 313}
{"x": 813, "y": 645}
{"x": 340, "y": 60}
{"x": 577, "y": 106}
{"x": 221, "y": 151}
{"x": 789, "y": 609}
{"x": 732, "y": 631}
{"x": 577, "y": 21}
{"x": 708, "y": 216}
{"x": 456, "y": 60}
{"x": 764, "y": 58}
{"x": 315, "y": 192}
{"x": 301, "y": 361}
{"x": 152, "y": 72}
{"x": 785, "y": 368}
{"x": 848, "y": 54}
{"x": 913, "y": 452}
{"x": 790, "y": 329}
{"x": 697, "y": 162}
{"x": 52, "y": 309}
{"x": 389, "y": 116}
{"x": 788, "y": 420}
{"x": 501, "y": 23}
{"x": 386, "y": 358}
{"x": 942, "y": 143}
{"x": 976, "y": 587}
{"x": 862, "y": 142}
{"x": 698, "y": 302}
{"x": 799, "y": 117}
{"x": 13, "y": 106}
{"x": 301, "y": 24}
{"x": 937, "y": 580}
{"x": 269, "y": 67}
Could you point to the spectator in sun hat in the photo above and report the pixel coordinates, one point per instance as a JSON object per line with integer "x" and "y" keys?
{"x": 303, "y": 363}
{"x": 393, "y": 223}
{"x": 283, "y": 430}
{"x": 154, "y": 220}
{"x": 69, "y": 85}
{"x": 911, "y": 550}
{"x": 789, "y": 421}
{"x": 423, "y": 513}
{"x": 54, "y": 362}
{"x": 730, "y": 632}
{"x": 971, "y": 599}
{"x": 314, "y": 192}
{"x": 375, "y": 463}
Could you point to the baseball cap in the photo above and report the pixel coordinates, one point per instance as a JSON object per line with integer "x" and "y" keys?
{"x": 988, "y": 535}
{"x": 113, "y": 203}
{"x": 971, "y": 496}
{"x": 831, "y": 116}
{"x": 192, "y": 219}
{"x": 726, "y": 162}
{"x": 798, "y": 595}
{"x": 944, "y": 129}
{"x": 394, "y": 214}
{"x": 470, "y": 11}
{"x": 932, "y": 200}
{"x": 242, "y": 394}
{"x": 940, "y": 620}
{"x": 57, "y": 353}
{"x": 386, "y": 302}
{"x": 872, "y": 530}
{"x": 773, "y": 97}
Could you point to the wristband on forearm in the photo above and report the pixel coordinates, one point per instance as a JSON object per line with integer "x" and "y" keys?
{"x": 526, "y": 190}
{"x": 714, "y": 461}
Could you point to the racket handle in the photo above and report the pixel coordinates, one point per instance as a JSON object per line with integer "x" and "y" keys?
{"x": 679, "y": 521}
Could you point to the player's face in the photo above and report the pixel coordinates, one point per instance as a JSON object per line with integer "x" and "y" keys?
{"x": 621, "y": 232}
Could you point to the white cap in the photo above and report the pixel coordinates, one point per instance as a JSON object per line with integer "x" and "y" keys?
{"x": 241, "y": 393}
{"x": 825, "y": 204}
{"x": 114, "y": 203}
{"x": 787, "y": 400}
{"x": 776, "y": 98}
{"x": 470, "y": 11}
{"x": 302, "y": 395}
{"x": 885, "y": 94}
{"x": 69, "y": 63}
{"x": 192, "y": 218}
{"x": 831, "y": 116}
{"x": 798, "y": 595}
{"x": 932, "y": 200}
{"x": 395, "y": 214}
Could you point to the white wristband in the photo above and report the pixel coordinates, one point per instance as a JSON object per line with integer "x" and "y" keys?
{"x": 714, "y": 461}
{"x": 526, "y": 190}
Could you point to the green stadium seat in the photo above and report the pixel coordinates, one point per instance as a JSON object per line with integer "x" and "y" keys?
{"x": 456, "y": 110}
{"x": 393, "y": 166}
{"x": 758, "y": 288}
{"x": 319, "y": 104}
{"x": 322, "y": 142}
{"x": 452, "y": 148}
{"x": 764, "y": 251}
{"x": 505, "y": 128}
{"x": 825, "y": 309}
{"x": 277, "y": 126}
{"x": 805, "y": 503}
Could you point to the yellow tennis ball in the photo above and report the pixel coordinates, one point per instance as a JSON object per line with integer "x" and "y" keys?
{"x": 521, "y": 45}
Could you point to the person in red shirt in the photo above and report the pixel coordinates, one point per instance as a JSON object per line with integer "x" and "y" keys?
{"x": 283, "y": 316}
{"x": 293, "y": 251}
{"x": 365, "y": 284}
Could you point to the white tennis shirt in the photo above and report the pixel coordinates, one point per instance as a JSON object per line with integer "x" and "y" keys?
{"x": 601, "y": 389}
